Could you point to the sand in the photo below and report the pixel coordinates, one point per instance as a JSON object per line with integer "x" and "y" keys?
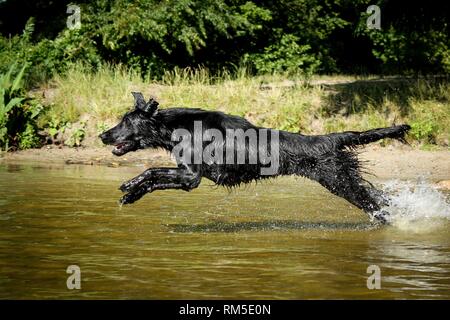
{"x": 398, "y": 162}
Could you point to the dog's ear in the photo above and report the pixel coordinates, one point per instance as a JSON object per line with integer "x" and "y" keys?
{"x": 149, "y": 107}
{"x": 139, "y": 101}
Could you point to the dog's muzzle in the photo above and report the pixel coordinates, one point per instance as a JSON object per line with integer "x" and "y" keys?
{"x": 120, "y": 148}
{"x": 123, "y": 147}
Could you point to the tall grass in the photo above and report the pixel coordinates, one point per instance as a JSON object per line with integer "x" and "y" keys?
{"x": 102, "y": 94}
{"x": 311, "y": 106}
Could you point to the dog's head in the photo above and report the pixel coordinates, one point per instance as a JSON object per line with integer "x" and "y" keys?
{"x": 133, "y": 128}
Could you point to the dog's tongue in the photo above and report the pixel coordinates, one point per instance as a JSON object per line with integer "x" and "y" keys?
{"x": 119, "y": 145}
{"x": 123, "y": 147}
{"x": 118, "y": 148}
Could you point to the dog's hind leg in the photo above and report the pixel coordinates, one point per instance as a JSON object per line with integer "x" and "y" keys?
{"x": 185, "y": 178}
{"x": 339, "y": 173}
{"x": 357, "y": 194}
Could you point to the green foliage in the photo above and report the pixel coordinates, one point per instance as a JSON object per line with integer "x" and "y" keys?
{"x": 412, "y": 38}
{"x": 287, "y": 56}
{"x": 423, "y": 130}
{"x": 15, "y": 49}
{"x": 28, "y": 138}
{"x": 55, "y": 126}
{"x": 18, "y": 113}
{"x": 47, "y": 57}
{"x": 56, "y": 56}
{"x": 394, "y": 49}
{"x": 153, "y": 37}
{"x": 290, "y": 123}
{"x": 312, "y": 23}
{"x": 430, "y": 122}
{"x": 77, "y": 136}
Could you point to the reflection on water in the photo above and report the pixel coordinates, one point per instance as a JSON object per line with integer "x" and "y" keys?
{"x": 285, "y": 239}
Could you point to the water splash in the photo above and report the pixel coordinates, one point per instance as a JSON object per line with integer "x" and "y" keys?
{"x": 416, "y": 206}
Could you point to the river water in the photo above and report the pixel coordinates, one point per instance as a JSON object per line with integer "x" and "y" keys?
{"x": 284, "y": 239}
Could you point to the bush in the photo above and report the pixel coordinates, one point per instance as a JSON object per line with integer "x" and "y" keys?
{"x": 287, "y": 56}
{"x": 286, "y": 35}
{"x": 47, "y": 57}
{"x": 410, "y": 41}
{"x": 18, "y": 113}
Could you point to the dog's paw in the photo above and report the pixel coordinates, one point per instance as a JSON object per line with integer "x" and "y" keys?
{"x": 126, "y": 186}
{"x": 130, "y": 185}
{"x": 131, "y": 197}
{"x": 136, "y": 193}
{"x": 127, "y": 199}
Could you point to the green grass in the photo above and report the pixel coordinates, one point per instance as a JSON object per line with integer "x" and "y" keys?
{"x": 317, "y": 105}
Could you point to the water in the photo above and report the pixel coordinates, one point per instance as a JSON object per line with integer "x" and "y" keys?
{"x": 416, "y": 206}
{"x": 286, "y": 239}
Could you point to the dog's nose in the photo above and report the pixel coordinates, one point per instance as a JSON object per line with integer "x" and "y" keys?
{"x": 102, "y": 136}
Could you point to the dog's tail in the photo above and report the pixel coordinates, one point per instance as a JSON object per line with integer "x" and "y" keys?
{"x": 352, "y": 138}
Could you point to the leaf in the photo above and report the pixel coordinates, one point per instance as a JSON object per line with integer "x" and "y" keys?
{"x": 12, "y": 103}
{"x": 18, "y": 79}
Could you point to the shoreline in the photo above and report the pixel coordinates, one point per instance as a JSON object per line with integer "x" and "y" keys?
{"x": 391, "y": 162}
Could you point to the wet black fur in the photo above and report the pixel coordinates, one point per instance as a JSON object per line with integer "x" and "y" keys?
{"x": 328, "y": 159}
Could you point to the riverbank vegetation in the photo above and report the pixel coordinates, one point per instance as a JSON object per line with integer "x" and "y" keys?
{"x": 304, "y": 66}
{"x": 315, "y": 105}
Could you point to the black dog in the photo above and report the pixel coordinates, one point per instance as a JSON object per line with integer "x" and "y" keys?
{"x": 328, "y": 159}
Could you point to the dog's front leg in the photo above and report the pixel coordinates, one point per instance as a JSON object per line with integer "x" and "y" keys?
{"x": 146, "y": 175}
{"x": 185, "y": 178}
{"x": 151, "y": 173}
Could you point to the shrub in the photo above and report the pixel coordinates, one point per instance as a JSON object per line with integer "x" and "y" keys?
{"x": 18, "y": 113}
{"x": 47, "y": 57}
{"x": 287, "y": 56}
{"x": 77, "y": 136}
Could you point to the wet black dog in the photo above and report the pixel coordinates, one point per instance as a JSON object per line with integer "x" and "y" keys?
{"x": 328, "y": 159}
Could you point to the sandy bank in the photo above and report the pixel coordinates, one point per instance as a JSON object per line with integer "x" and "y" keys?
{"x": 401, "y": 162}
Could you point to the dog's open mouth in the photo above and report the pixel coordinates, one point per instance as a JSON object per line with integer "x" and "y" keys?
{"x": 123, "y": 147}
